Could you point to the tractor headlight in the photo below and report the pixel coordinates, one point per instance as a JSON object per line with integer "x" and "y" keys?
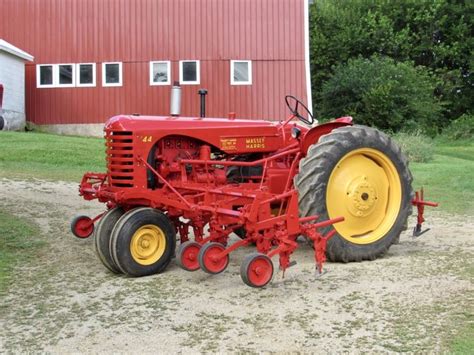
{"x": 295, "y": 132}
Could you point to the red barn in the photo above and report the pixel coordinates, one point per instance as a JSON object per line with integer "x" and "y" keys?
{"x": 98, "y": 58}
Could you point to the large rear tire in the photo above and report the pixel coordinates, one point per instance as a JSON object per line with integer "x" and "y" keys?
{"x": 143, "y": 242}
{"x": 359, "y": 173}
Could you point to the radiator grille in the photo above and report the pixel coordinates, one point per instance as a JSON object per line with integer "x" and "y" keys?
{"x": 120, "y": 158}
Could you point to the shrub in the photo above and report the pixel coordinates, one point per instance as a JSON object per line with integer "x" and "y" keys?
{"x": 436, "y": 34}
{"x": 416, "y": 146}
{"x": 383, "y": 93}
{"x": 461, "y": 128}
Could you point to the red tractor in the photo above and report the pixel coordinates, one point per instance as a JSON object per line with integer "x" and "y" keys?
{"x": 346, "y": 188}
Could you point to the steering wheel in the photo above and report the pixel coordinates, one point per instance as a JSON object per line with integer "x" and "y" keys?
{"x": 294, "y": 109}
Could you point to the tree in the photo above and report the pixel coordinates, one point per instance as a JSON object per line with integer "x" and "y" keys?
{"x": 381, "y": 92}
{"x": 436, "y": 34}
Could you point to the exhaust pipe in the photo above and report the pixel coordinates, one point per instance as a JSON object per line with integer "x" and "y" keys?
{"x": 203, "y": 93}
{"x": 175, "y": 104}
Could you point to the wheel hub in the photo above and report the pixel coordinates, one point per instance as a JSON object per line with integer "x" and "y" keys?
{"x": 361, "y": 197}
{"x": 148, "y": 244}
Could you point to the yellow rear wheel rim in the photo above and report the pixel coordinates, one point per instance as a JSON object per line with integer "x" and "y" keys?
{"x": 365, "y": 189}
{"x": 148, "y": 244}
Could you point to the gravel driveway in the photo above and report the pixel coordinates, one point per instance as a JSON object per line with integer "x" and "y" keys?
{"x": 66, "y": 301}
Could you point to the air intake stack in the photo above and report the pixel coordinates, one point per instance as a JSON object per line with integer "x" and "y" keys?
{"x": 175, "y": 104}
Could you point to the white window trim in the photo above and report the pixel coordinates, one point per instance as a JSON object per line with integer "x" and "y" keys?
{"x": 78, "y": 75}
{"x": 232, "y": 81}
{"x": 55, "y": 74}
{"x": 73, "y": 73}
{"x": 168, "y": 66}
{"x": 198, "y": 72}
{"x": 38, "y": 78}
{"x": 120, "y": 83}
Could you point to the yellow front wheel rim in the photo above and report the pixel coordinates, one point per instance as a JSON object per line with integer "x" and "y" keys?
{"x": 148, "y": 244}
{"x": 365, "y": 188}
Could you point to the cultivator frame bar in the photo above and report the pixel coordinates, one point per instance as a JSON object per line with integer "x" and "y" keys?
{"x": 273, "y": 230}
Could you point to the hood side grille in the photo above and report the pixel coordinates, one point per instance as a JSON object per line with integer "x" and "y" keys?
{"x": 120, "y": 158}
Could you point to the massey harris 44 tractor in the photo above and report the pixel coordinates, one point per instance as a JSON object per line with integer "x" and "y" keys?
{"x": 344, "y": 187}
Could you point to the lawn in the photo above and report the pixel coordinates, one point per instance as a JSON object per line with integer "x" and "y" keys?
{"x": 448, "y": 178}
{"x": 19, "y": 243}
{"x": 463, "y": 343}
{"x": 48, "y": 156}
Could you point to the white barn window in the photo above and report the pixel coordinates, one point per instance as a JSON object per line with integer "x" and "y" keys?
{"x": 189, "y": 72}
{"x": 45, "y": 76}
{"x": 112, "y": 74}
{"x": 86, "y": 75}
{"x": 160, "y": 73}
{"x": 65, "y": 76}
{"x": 55, "y": 75}
{"x": 241, "y": 72}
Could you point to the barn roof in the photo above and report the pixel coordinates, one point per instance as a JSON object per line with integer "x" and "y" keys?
{"x": 10, "y": 48}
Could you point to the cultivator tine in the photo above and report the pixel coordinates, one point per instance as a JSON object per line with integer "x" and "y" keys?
{"x": 320, "y": 240}
{"x": 283, "y": 270}
{"x": 417, "y": 232}
{"x": 420, "y": 204}
{"x": 318, "y": 274}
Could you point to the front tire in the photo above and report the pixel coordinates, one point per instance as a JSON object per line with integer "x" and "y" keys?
{"x": 102, "y": 237}
{"x": 359, "y": 173}
{"x": 82, "y": 227}
{"x": 143, "y": 242}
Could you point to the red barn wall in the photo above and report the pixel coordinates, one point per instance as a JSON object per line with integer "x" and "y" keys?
{"x": 271, "y": 33}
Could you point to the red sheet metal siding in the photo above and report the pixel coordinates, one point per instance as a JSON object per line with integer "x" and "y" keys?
{"x": 268, "y": 32}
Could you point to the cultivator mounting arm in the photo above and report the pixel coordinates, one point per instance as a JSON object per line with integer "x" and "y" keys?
{"x": 91, "y": 185}
{"x": 319, "y": 240}
{"x": 420, "y": 204}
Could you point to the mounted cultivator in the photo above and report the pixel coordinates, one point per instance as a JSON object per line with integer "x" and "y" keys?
{"x": 346, "y": 188}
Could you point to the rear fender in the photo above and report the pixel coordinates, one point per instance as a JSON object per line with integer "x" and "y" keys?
{"x": 312, "y": 136}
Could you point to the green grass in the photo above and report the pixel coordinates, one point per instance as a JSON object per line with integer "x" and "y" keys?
{"x": 448, "y": 178}
{"x": 18, "y": 244}
{"x": 462, "y": 149}
{"x": 464, "y": 342}
{"x": 48, "y": 156}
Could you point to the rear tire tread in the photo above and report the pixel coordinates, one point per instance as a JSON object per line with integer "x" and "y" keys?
{"x": 311, "y": 183}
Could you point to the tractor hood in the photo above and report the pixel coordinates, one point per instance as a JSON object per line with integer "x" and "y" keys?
{"x": 230, "y": 135}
